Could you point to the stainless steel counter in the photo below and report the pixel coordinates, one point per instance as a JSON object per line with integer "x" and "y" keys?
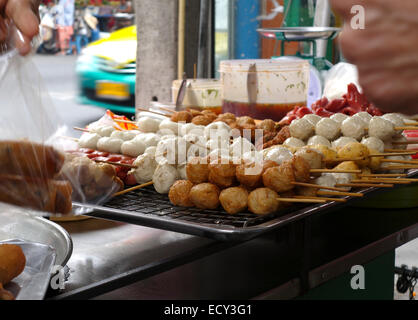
{"x": 121, "y": 261}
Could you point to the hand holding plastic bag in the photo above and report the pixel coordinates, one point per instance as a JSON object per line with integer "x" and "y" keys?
{"x": 35, "y": 171}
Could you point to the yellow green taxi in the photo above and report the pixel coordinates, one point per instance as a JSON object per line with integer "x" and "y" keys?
{"x": 106, "y": 71}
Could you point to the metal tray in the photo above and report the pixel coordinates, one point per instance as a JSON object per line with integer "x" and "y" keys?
{"x": 17, "y": 223}
{"x": 300, "y": 33}
{"x": 150, "y": 209}
{"x": 33, "y": 282}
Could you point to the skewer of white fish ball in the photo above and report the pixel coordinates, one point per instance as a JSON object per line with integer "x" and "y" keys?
{"x": 319, "y": 140}
{"x": 353, "y": 128}
{"x": 328, "y": 129}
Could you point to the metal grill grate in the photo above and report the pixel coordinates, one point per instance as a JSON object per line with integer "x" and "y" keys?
{"x": 149, "y": 202}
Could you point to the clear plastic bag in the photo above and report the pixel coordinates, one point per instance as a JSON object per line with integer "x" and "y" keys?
{"x": 35, "y": 169}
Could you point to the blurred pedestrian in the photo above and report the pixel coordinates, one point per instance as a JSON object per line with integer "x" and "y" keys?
{"x": 125, "y": 7}
{"x": 65, "y": 21}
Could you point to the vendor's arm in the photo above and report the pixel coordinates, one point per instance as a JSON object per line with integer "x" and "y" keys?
{"x": 385, "y": 51}
{"x": 25, "y": 15}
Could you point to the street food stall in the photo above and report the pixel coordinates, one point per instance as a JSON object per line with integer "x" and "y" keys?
{"x": 239, "y": 188}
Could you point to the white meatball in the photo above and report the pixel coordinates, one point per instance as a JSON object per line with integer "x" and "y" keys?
{"x": 173, "y": 151}
{"x": 384, "y": 166}
{"x": 133, "y": 148}
{"x": 192, "y": 139}
{"x": 241, "y": 146}
{"x": 168, "y": 127}
{"x": 217, "y": 129}
{"x": 374, "y": 143}
{"x": 326, "y": 180}
{"x": 89, "y": 140}
{"x": 341, "y": 142}
{"x": 190, "y": 128}
{"x": 353, "y": 128}
{"x": 219, "y": 153}
{"x": 111, "y": 145}
{"x": 319, "y": 140}
{"x": 164, "y": 177}
{"x": 312, "y": 118}
{"x": 253, "y": 156}
{"x": 328, "y": 129}
{"x": 147, "y": 124}
{"x": 123, "y": 135}
{"x": 365, "y": 116}
{"x": 218, "y": 143}
{"x": 151, "y": 151}
{"x": 278, "y": 155}
{"x": 343, "y": 178}
{"x": 339, "y": 117}
{"x": 301, "y": 129}
{"x": 181, "y": 171}
{"x": 105, "y": 131}
{"x": 381, "y": 128}
{"x": 395, "y": 118}
{"x": 400, "y": 138}
{"x": 149, "y": 139}
{"x": 145, "y": 167}
{"x": 294, "y": 143}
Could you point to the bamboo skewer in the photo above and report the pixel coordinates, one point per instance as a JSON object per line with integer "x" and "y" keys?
{"x": 133, "y": 189}
{"x": 345, "y": 159}
{"x": 333, "y": 171}
{"x": 397, "y": 179}
{"x": 166, "y": 109}
{"x": 315, "y": 186}
{"x": 82, "y": 129}
{"x": 322, "y": 198}
{"x": 365, "y": 185}
{"x": 391, "y": 151}
{"x": 391, "y": 181}
{"x": 125, "y": 121}
{"x": 400, "y": 143}
{"x": 295, "y": 200}
{"x": 116, "y": 163}
{"x": 154, "y": 112}
{"x": 383, "y": 175}
{"x": 333, "y": 193}
{"x": 401, "y": 167}
{"x": 406, "y": 128}
{"x": 389, "y": 154}
{"x": 400, "y": 161}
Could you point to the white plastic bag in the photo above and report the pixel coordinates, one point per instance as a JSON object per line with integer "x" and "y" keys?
{"x": 35, "y": 170}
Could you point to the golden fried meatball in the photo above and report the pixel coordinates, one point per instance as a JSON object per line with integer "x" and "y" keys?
{"x": 330, "y": 155}
{"x": 267, "y": 125}
{"x": 245, "y": 121}
{"x": 314, "y": 157}
{"x": 234, "y": 200}
{"x": 210, "y": 114}
{"x": 182, "y": 116}
{"x": 205, "y": 196}
{"x": 197, "y": 170}
{"x": 195, "y": 112}
{"x": 263, "y": 201}
{"x": 201, "y": 121}
{"x": 279, "y": 178}
{"x": 348, "y": 165}
{"x": 227, "y": 116}
{"x": 179, "y": 193}
{"x": 306, "y": 191}
{"x": 250, "y": 174}
{"x": 220, "y": 168}
{"x": 301, "y": 169}
{"x": 221, "y": 181}
{"x": 355, "y": 150}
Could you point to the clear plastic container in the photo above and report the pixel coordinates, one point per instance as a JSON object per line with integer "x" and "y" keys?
{"x": 200, "y": 94}
{"x": 264, "y": 89}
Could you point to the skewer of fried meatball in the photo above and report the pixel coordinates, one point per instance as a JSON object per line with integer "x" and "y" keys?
{"x": 273, "y": 134}
{"x": 257, "y": 187}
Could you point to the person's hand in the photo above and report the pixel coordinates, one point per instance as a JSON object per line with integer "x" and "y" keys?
{"x": 385, "y": 51}
{"x": 25, "y": 15}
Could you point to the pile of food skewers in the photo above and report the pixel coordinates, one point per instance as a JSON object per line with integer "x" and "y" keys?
{"x": 314, "y": 157}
